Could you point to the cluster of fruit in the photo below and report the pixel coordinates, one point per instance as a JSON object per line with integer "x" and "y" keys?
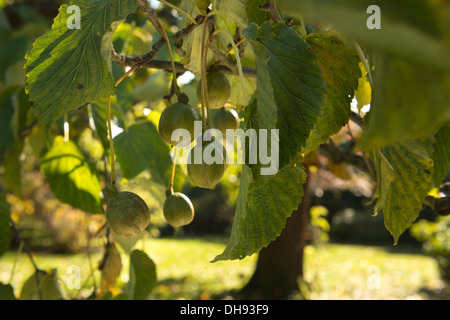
{"x": 127, "y": 213}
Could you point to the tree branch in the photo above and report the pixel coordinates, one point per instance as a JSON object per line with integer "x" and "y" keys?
{"x": 124, "y": 61}
{"x": 150, "y": 14}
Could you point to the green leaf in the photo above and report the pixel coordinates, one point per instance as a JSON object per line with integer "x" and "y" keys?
{"x": 154, "y": 88}
{"x": 290, "y": 88}
{"x": 234, "y": 8}
{"x": 13, "y": 168}
{"x": 141, "y": 147}
{"x": 192, "y": 46}
{"x": 5, "y": 230}
{"x": 236, "y": 95}
{"x": 340, "y": 66}
{"x": 404, "y": 174}
{"x": 262, "y": 210}
{"x": 411, "y": 91}
{"x": 98, "y": 114}
{"x": 71, "y": 178}
{"x": 47, "y": 287}
{"x": 408, "y": 102}
{"x": 441, "y": 154}
{"x": 6, "y": 292}
{"x": 254, "y": 14}
{"x": 68, "y": 68}
{"x": 142, "y": 275}
{"x": 7, "y": 131}
{"x": 127, "y": 244}
{"x": 99, "y": 117}
{"x": 124, "y": 92}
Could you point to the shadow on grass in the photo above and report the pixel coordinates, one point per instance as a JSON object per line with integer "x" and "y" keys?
{"x": 189, "y": 289}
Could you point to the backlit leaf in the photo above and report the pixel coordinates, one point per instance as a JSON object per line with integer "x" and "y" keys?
{"x": 291, "y": 87}
{"x": 71, "y": 178}
{"x": 262, "y": 210}
{"x": 404, "y": 173}
{"x": 68, "y": 68}
{"x": 340, "y": 66}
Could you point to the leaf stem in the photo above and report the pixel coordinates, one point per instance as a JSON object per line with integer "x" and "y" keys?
{"x": 228, "y": 15}
{"x": 187, "y": 15}
{"x": 204, "y": 83}
{"x": 172, "y": 175}
{"x": 237, "y": 45}
{"x": 363, "y": 59}
{"x": 18, "y": 253}
{"x": 238, "y": 61}
{"x": 126, "y": 74}
{"x": 172, "y": 61}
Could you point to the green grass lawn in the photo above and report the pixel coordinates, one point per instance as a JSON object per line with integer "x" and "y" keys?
{"x": 332, "y": 271}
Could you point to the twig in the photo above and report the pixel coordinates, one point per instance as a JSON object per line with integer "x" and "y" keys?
{"x": 30, "y": 257}
{"x": 240, "y": 42}
{"x": 271, "y": 8}
{"x": 150, "y": 14}
{"x": 125, "y": 61}
{"x": 222, "y": 57}
{"x": 357, "y": 119}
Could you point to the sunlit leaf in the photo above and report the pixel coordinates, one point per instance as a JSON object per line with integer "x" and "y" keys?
{"x": 71, "y": 178}
{"x": 404, "y": 173}
{"x": 68, "y": 68}
{"x": 291, "y": 87}
{"x": 262, "y": 210}
{"x": 140, "y": 148}
{"x": 340, "y": 66}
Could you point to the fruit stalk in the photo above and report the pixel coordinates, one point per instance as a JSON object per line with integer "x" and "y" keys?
{"x": 112, "y": 184}
{"x": 204, "y": 55}
{"x": 179, "y": 11}
{"x": 238, "y": 61}
{"x": 172, "y": 175}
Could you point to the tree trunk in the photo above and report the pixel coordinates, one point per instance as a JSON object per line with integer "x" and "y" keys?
{"x": 280, "y": 265}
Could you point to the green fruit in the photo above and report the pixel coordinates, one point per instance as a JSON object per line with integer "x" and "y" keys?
{"x": 178, "y": 210}
{"x": 202, "y": 4}
{"x": 206, "y": 175}
{"x": 177, "y": 116}
{"x": 218, "y": 90}
{"x": 226, "y": 119}
{"x": 127, "y": 214}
